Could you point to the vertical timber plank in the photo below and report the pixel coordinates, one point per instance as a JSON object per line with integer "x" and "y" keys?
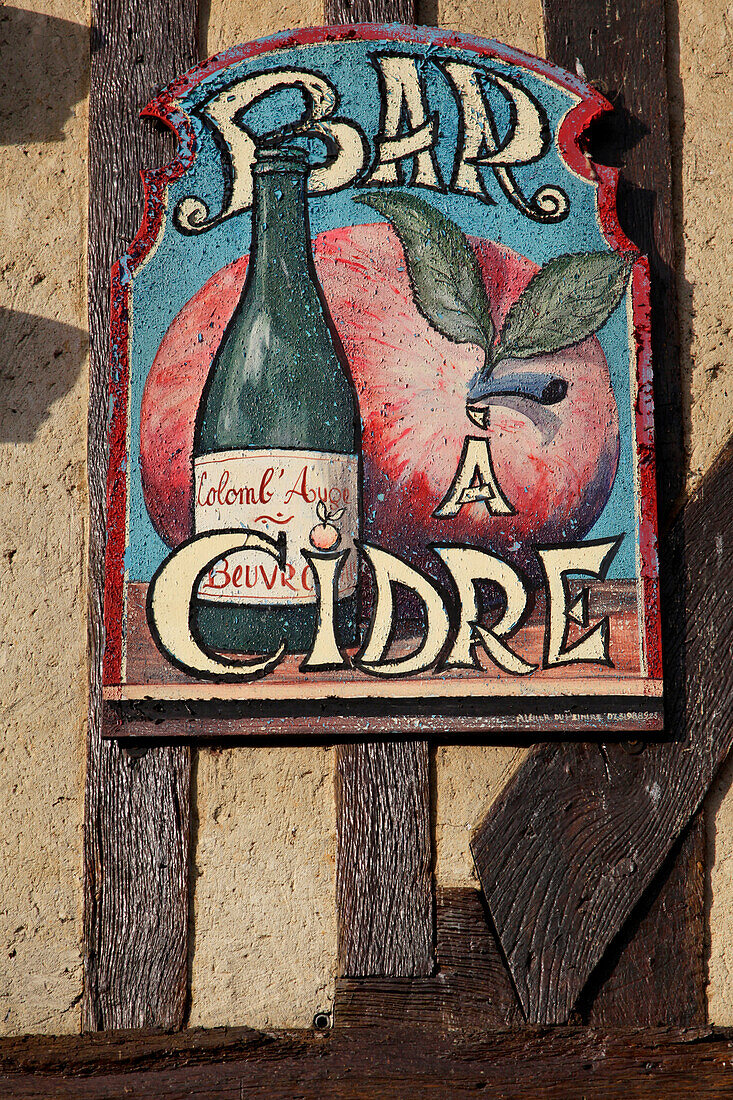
{"x": 383, "y": 873}
{"x": 622, "y": 51}
{"x": 369, "y": 11}
{"x": 655, "y": 970}
{"x": 384, "y": 890}
{"x": 595, "y": 874}
{"x": 137, "y": 804}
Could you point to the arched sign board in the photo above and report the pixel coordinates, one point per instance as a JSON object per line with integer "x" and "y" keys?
{"x": 381, "y": 406}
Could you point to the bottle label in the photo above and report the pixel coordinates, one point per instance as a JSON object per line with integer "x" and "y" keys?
{"x": 313, "y": 496}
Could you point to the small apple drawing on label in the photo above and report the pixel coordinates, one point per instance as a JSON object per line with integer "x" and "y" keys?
{"x": 440, "y": 335}
{"x": 325, "y": 535}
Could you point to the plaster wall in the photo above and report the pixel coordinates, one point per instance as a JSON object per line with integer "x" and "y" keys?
{"x": 263, "y": 883}
{"x": 700, "y": 37}
{"x": 43, "y": 399}
{"x": 701, "y": 52}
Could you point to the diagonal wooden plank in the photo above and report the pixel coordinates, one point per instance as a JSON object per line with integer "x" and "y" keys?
{"x": 568, "y": 849}
{"x": 384, "y": 900}
{"x": 622, "y": 50}
{"x": 137, "y": 804}
{"x": 653, "y": 974}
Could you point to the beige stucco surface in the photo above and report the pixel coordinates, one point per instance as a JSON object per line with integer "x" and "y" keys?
{"x": 719, "y": 821}
{"x": 467, "y": 779}
{"x": 263, "y": 887}
{"x": 43, "y": 398}
{"x": 518, "y": 23}
{"x": 701, "y": 55}
{"x": 226, "y": 22}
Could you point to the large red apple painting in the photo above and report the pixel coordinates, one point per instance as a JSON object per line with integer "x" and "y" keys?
{"x": 554, "y": 459}
{"x": 380, "y": 399}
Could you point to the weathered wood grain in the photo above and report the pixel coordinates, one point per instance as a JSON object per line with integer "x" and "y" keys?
{"x": 555, "y": 1064}
{"x": 383, "y": 871}
{"x": 653, "y": 974}
{"x": 384, "y": 899}
{"x": 621, "y": 49}
{"x": 570, "y": 846}
{"x": 369, "y": 11}
{"x": 586, "y": 805}
{"x": 470, "y": 990}
{"x": 136, "y": 815}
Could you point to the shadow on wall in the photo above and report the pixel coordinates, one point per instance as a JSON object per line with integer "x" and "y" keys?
{"x": 428, "y": 13}
{"x": 39, "y": 363}
{"x": 202, "y": 28}
{"x": 618, "y": 139}
{"x": 44, "y": 73}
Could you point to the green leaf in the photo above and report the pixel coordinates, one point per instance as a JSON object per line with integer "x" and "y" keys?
{"x": 565, "y": 302}
{"x": 446, "y": 279}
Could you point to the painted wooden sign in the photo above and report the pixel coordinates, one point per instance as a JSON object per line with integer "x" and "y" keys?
{"x": 381, "y": 424}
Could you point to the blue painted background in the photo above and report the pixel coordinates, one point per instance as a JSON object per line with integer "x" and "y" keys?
{"x": 182, "y": 264}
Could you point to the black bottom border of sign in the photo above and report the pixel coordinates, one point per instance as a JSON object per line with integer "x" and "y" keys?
{"x": 605, "y": 718}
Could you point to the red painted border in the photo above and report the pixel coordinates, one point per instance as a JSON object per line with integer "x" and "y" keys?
{"x": 165, "y": 107}
{"x": 114, "y": 581}
{"x": 646, "y": 459}
{"x": 155, "y": 186}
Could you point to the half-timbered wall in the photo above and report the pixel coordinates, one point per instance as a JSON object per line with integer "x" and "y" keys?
{"x": 263, "y": 923}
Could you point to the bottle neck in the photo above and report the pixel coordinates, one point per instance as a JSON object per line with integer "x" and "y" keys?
{"x": 281, "y": 249}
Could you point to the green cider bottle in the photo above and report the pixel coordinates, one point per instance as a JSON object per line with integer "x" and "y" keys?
{"x": 277, "y": 437}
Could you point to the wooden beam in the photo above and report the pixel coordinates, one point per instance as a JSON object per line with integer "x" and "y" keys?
{"x": 586, "y": 807}
{"x": 137, "y": 803}
{"x": 232, "y": 1064}
{"x": 470, "y": 991}
{"x": 653, "y": 974}
{"x": 383, "y": 872}
{"x": 369, "y": 11}
{"x": 568, "y": 849}
{"x": 621, "y": 49}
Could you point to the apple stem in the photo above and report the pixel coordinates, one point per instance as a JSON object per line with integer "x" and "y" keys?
{"x": 492, "y": 356}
